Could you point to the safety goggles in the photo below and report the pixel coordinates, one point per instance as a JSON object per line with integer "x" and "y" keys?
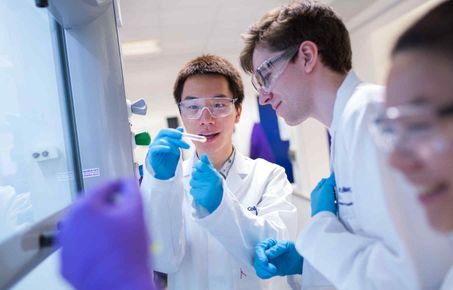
{"x": 416, "y": 128}
{"x": 269, "y": 71}
{"x": 217, "y": 107}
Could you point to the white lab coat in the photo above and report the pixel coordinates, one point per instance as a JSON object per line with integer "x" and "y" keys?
{"x": 369, "y": 246}
{"x": 216, "y": 252}
{"x": 448, "y": 282}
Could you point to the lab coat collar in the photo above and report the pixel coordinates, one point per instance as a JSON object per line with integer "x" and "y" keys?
{"x": 195, "y": 159}
{"x": 237, "y": 173}
{"x": 239, "y": 170}
{"x": 343, "y": 94}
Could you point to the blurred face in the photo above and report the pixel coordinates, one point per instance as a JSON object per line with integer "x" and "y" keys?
{"x": 422, "y": 86}
{"x": 285, "y": 90}
{"x": 218, "y": 114}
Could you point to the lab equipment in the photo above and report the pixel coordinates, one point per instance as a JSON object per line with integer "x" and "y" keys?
{"x": 277, "y": 257}
{"x": 139, "y": 107}
{"x": 206, "y": 185}
{"x": 194, "y": 137}
{"x": 142, "y": 139}
{"x": 104, "y": 240}
{"x": 164, "y": 152}
{"x": 322, "y": 198}
{"x": 217, "y": 107}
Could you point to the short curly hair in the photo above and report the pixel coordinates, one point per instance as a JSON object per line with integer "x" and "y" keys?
{"x": 210, "y": 65}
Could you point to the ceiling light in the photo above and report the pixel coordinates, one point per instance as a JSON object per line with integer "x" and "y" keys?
{"x": 140, "y": 47}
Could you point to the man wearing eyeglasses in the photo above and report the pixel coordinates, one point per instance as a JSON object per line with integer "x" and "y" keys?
{"x": 299, "y": 57}
{"x": 207, "y": 213}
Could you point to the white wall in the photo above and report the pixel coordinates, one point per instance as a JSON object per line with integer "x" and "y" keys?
{"x": 374, "y": 32}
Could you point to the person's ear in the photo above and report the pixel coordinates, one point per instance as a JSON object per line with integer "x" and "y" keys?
{"x": 238, "y": 113}
{"x": 308, "y": 55}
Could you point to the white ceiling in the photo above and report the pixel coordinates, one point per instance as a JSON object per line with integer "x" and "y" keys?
{"x": 190, "y": 27}
{"x": 186, "y": 29}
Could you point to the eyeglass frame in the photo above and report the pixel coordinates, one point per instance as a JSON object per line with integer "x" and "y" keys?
{"x": 232, "y": 100}
{"x": 395, "y": 113}
{"x": 288, "y": 55}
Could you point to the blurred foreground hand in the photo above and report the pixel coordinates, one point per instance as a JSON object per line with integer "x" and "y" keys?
{"x": 104, "y": 240}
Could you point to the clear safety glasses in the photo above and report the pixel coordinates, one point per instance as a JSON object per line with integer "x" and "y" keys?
{"x": 415, "y": 128}
{"x": 217, "y": 107}
{"x": 269, "y": 71}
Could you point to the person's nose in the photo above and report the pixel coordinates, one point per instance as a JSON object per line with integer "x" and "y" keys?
{"x": 206, "y": 117}
{"x": 264, "y": 98}
{"x": 403, "y": 159}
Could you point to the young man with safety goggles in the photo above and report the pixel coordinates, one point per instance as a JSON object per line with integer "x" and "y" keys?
{"x": 206, "y": 213}
{"x": 300, "y": 60}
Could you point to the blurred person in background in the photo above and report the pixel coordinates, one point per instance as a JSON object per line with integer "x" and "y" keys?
{"x": 417, "y": 125}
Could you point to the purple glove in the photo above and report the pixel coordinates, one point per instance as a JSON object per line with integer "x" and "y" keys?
{"x": 104, "y": 240}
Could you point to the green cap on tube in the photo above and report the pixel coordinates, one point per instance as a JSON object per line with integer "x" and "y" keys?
{"x": 143, "y": 139}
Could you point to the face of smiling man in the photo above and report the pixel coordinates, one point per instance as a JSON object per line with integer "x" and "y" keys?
{"x": 290, "y": 93}
{"x": 218, "y": 131}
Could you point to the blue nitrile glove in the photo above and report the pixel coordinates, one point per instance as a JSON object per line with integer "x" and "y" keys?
{"x": 323, "y": 196}
{"x": 206, "y": 185}
{"x": 164, "y": 152}
{"x": 104, "y": 240}
{"x": 274, "y": 257}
